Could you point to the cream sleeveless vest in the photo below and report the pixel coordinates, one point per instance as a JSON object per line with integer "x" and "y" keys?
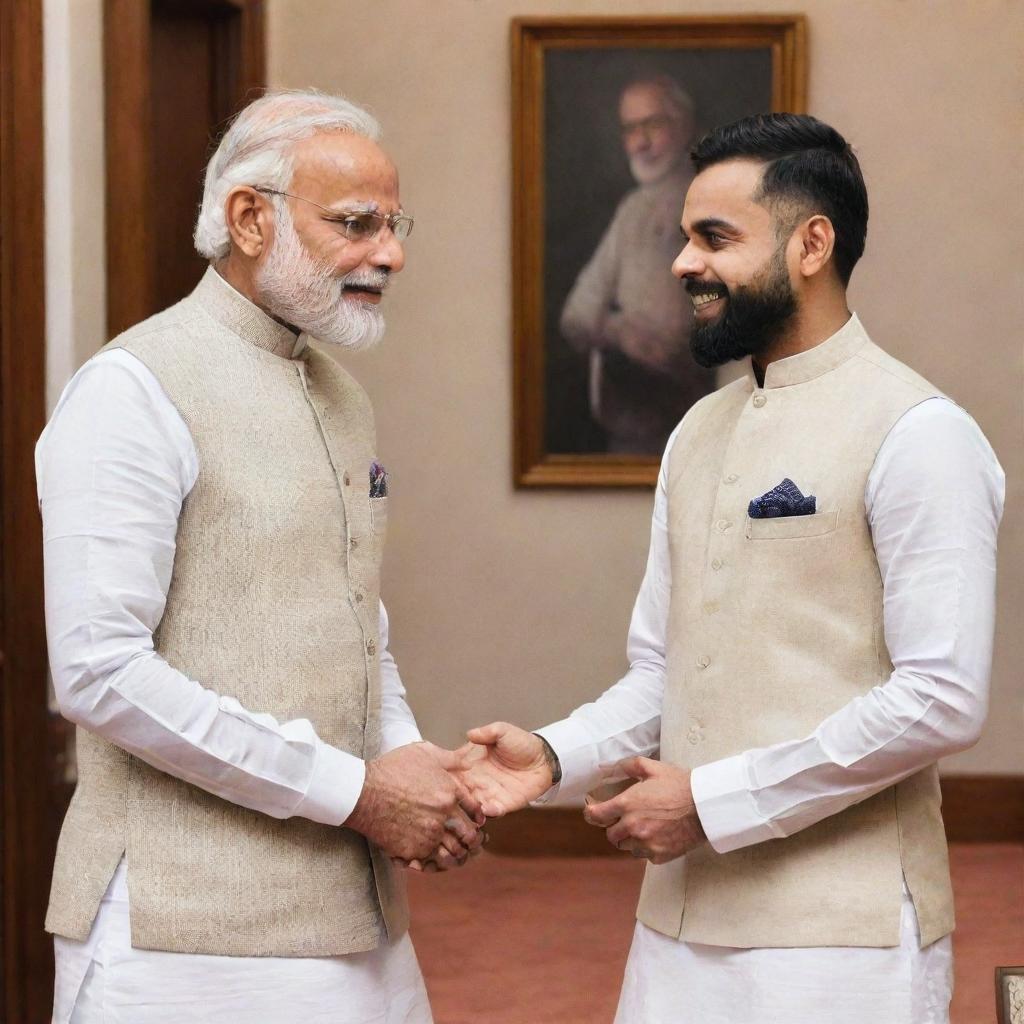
{"x": 274, "y": 601}
{"x": 773, "y": 625}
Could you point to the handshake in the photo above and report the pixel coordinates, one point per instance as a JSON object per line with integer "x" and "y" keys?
{"x": 425, "y": 806}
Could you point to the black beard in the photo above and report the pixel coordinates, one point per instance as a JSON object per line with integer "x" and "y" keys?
{"x": 754, "y": 316}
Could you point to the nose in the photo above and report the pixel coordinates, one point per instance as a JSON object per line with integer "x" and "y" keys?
{"x": 688, "y": 263}
{"x": 388, "y": 252}
{"x": 635, "y": 141}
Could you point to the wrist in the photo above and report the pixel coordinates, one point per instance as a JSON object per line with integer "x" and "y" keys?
{"x": 362, "y": 813}
{"x": 551, "y": 759}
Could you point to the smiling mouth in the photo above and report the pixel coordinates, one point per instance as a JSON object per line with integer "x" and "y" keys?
{"x": 701, "y": 299}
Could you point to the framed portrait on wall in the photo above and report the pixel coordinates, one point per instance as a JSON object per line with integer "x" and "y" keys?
{"x": 605, "y": 111}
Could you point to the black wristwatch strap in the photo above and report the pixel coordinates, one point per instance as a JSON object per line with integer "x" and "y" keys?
{"x": 552, "y": 758}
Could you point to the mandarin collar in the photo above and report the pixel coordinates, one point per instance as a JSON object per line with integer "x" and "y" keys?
{"x": 231, "y": 309}
{"x": 815, "y": 362}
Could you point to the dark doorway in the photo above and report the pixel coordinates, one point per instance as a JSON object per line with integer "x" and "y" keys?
{"x": 28, "y": 798}
{"x": 176, "y": 70}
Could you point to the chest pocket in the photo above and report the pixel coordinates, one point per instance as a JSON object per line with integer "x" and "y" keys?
{"x": 793, "y": 527}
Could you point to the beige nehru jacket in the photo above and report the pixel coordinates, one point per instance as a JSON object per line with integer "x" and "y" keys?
{"x": 273, "y": 601}
{"x": 773, "y": 625}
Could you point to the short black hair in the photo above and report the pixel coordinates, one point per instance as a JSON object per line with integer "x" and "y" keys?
{"x": 808, "y": 163}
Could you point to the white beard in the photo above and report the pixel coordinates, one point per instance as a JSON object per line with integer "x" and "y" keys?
{"x": 647, "y": 172}
{"x": 303, "y": 292}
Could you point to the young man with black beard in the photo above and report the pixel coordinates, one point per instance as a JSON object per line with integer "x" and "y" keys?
{"x": 754, "y": 315}
{"x": 813, "y": 632}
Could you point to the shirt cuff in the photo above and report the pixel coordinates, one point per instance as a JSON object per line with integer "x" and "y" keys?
{"x": 334, "y": 788}
{"x": 577, "y": 755}
{"x": 398, "y": 734}
{"x": 726, "y": 806}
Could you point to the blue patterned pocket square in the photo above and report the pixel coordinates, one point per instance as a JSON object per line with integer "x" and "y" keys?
{"x": 378, "y": 480}
{"x": 784, "y": 499}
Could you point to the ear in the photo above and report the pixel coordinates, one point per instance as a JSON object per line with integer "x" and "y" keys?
{"x": 249, "y": 219}
{"x": 817, "y": 243}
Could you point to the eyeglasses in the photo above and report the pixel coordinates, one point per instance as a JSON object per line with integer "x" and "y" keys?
{"x": 646, "y": 127}
{"x": 357, "y": 225}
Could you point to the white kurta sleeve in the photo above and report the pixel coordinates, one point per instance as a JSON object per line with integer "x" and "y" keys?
{"x": 113, "y": 467}
{"x": 933, "y": 499}
{"x": 397, "y": 722}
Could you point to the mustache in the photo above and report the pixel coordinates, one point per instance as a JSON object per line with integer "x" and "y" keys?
{"x": 368, "y": 280}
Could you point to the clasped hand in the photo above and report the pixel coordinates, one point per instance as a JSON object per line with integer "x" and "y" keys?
{"x": 505, "y": 768}
{"x": 416, "y": 808}
{"x": 656, "y": 817}
{"x": 426, "y": 806}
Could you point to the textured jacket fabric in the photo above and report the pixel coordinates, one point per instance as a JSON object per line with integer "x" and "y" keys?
{"x": 775, "y": 623}
{"x": 273, "y": 600}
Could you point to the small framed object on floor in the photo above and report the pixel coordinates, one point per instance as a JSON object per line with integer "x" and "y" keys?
{"x": 1010, "y": 995}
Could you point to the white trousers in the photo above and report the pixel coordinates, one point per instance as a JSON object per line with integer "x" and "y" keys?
{"x": 672, "y": 982}
{"x": 105, "y": 981}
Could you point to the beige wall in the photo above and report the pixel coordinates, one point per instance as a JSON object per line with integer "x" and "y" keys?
{"x": 513, "y": 604}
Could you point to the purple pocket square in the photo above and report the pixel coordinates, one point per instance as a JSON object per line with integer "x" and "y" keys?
{"x": 378, "y": 480}
{"x": 785, "y": 499}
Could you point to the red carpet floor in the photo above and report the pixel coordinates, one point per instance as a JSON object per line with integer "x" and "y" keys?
{"x": 543, "y": 940}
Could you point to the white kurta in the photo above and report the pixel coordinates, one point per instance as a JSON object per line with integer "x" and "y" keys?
{"x": 113, "y": 467}
{"x": 933, "y": 499}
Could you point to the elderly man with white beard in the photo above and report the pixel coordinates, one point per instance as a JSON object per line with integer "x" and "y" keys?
{"x": 625, "y": 308}
{"x": 214, "y": 515}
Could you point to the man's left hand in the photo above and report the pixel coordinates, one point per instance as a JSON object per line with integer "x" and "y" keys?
{"x": 656, "y": 818}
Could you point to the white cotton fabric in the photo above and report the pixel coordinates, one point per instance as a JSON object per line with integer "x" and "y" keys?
{"x": 123, "y": 985}
{"x": 934, "y": 472}
{"x": 935, "y": 477}
{"x": 672, "y": 982}
{"x": 107, "y": 676}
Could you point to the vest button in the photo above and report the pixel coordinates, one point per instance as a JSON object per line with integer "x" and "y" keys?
{"x": 703, "y": 661}
{"x": 359, "y": 597}
{"x": 759, "y": 401}
{"x": 722, "y": 525}
{"x": 346, "y": 480}
{"x": 353, "y": 543}
{"x": 371, "y": 647}
{"x": 716, "y": 564}
{"x": 731, "y": 478}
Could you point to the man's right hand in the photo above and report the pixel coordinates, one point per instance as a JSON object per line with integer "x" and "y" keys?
{"x": 506, "y": 767}
{"x": 413, "y": 808}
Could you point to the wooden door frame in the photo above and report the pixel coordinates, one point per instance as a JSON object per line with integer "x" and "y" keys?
{"x": 126, "y": 34}
{"x": 27, "y": 833}
{"x": 28, "y": 797}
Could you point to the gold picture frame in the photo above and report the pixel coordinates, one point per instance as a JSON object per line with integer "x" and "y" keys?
{"x": 549, "y": 51}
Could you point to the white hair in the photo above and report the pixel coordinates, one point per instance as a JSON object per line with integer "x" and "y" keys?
{"x": 257, "y": 150}
{"x": 672, "y": 92}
